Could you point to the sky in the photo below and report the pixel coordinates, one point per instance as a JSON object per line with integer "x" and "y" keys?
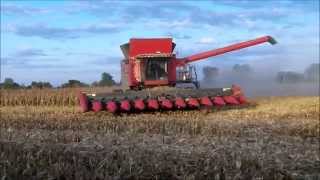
{"x": 60, "y": 40}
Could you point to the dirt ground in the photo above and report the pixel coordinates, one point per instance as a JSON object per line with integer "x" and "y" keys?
{"x": 277, "y": 139}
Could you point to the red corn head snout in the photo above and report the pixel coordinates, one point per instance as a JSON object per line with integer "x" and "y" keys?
{"x": 180, "y": 103}
{"x": 152, "y": 104}
{"x": 236, "y": 91}
{"x": 112, "y": 106}
{"x": 166, "y": 104}
{"x": 125, "y": 105}
{"x": 139, "y": 104}
{"x": 230, "y": 100}
{"x": 205, "y": 101}
{"x": 96, "y": 106}
{"x": 193, "y": 103}
{"x": 218, "y": 101}
{"x": 242, "y": 99}
{"x": 84, "y": 102}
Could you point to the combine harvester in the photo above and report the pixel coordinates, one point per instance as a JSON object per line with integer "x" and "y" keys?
{"x": 151, "y": 74}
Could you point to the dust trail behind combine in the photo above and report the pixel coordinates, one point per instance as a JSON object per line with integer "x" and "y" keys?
{"x": 255, "y": 84}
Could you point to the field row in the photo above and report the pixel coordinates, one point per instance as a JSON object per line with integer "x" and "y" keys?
{"x": 277, "y": 139}
{"x": 290, "y": 116}
{"x": 104, "y": 156}
{"x": 45, "y": 97}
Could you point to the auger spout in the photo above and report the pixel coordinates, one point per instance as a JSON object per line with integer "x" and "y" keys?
{"x": 233, "y": 47}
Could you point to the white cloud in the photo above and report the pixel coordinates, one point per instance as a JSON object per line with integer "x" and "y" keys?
{"x": 206, "y": 40}
{"x": 23, "y": 10}
{"x": 168, "y": 24}
{"x": 49, "y": 32}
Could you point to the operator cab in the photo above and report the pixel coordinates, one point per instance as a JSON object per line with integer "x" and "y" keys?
{"x": 151, "y": 63}
{"x": 156, "y": 68}
{"x": 147, "y": 62}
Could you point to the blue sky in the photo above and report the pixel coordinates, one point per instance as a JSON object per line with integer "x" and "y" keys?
{"x": 60, "y": 40}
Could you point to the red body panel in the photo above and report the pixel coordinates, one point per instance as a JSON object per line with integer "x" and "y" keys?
{"x": 150, "y": 46}
{"x": 172, "y": 75}
{"x": 156, "y": 82}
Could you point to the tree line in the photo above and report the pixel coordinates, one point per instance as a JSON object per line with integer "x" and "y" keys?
{"x": 106, "y": 80}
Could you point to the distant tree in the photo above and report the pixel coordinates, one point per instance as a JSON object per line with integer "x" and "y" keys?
{"x": 23, "y": 86}
{"x": 289, "y": 77}
{"x": 95, "y": 84}
{"x": 9, "y": 84}
{"x": 312, "y": 72}
{"x": 242, "y": 69}
{"x": 210, "y": 73}
{"x": 106, "y": 80}
{"x": 74, "y": 83}
{"x": 40, "y": 85}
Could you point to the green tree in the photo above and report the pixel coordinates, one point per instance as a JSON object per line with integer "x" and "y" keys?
{"x": 242, "y": 69}
{"x": 9, "y": 84}
{"x": 106, "y": 80}
{"x": 74, "y": 83}
{"x": 95, "y": 84}
{"x": 40, "y": 85}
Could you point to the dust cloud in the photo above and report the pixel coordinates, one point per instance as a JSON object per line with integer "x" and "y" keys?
{"x": 261, "y": 83}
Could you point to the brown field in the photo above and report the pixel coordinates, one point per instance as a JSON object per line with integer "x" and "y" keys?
{"x": 45, "y": 97}
{"x": 277, "y": 139}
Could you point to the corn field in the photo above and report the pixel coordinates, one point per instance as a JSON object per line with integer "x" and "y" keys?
{"x": 39, "y": 97}
{"x": 43, "y": 135}
{"x": 44, "y": 97}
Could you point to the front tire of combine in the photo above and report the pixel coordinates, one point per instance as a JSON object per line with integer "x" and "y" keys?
{"x": 84, "y": 102}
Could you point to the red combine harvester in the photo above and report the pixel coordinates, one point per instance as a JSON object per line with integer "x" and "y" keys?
{"x": 151, "y": 63}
